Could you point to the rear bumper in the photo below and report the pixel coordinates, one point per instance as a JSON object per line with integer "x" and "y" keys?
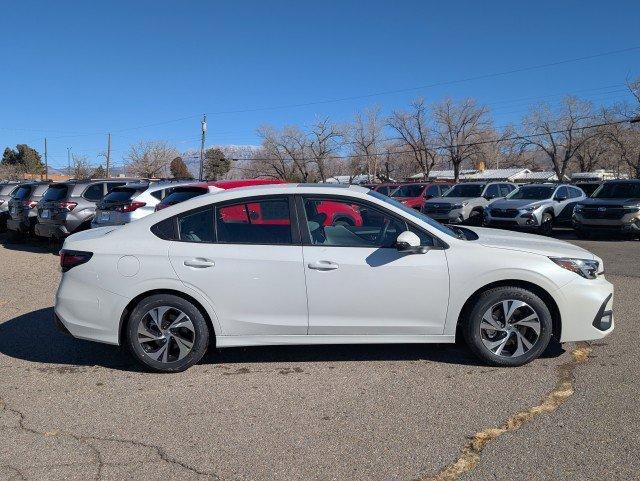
{"x": 18, "y": 225}
{"x": 56, "y": 231}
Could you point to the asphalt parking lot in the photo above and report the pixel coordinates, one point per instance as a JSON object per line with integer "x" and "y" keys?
{"x": 71, "y": 409}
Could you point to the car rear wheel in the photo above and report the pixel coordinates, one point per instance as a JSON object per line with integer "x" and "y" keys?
{"x": 508, "y": 326}
{"x": 476, "y": 218}
{"x": 167, "y": 333}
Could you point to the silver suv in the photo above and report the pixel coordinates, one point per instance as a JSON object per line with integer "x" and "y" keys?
{"x": 6, "y": 189}
{"x": 466, "y": 202}
{"x": 534, "y": 206}
{"x": 23, "y": 208}
{"x": 132, "y": 201}
{"x": 70, "y": 206}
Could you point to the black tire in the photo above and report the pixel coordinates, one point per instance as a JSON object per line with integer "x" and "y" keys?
{"x": 15, "y": 237}
{"x": 546, "y": 224}
{"x": 200, "y": 340}
{"x": 472, "y": 332}
{"x": 476, "y": 218}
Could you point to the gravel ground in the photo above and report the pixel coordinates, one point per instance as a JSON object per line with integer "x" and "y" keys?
{"x": 71, "y": 409}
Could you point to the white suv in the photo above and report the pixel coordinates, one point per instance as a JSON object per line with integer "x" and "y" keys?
{"x": 266, "y": 265}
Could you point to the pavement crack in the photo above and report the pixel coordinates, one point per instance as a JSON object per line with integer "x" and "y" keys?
{"x": 471, "y": 453}
{"x": 99, "y": 461}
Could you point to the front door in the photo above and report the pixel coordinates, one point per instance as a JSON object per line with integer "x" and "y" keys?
{"x": 359, "y": 284}
{"x": 249, "y": 265}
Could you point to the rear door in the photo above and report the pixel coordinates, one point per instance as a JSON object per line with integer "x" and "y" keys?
{"x": 246, "y": 257}
{"x": 357, "y": 281}
{"x": 564, "y": 204}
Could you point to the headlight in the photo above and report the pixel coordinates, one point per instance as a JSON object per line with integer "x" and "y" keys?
{"x": 586, "y": 268}
{"x": 459, "y": 206}
{"x": 530, "y": 208}
{"x": 577, "y": 208}
{"x": 629, "y": 209}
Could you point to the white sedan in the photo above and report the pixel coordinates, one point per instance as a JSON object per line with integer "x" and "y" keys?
{"x": 318, "y": 264}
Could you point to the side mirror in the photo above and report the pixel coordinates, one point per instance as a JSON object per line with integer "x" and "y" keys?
{"x": 409, "y": 243}
{"x": 561, "y": 198}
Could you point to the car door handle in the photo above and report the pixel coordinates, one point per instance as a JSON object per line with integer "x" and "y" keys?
{"x": 199, "y": 263}
{"x": 323, "y": 266}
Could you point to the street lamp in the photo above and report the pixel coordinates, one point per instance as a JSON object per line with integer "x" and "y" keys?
{"x": 69, "y": 161}
{"x": 203, "y": 125}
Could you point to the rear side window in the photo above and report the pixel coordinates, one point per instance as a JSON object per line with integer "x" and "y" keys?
{"x": 262, "y": 222}
{"x": 196, "y": 226}
{"x": 505, "y": 189}
{"x": 56, "y": 192}
{"x": 23, "y": 192}
{"x": 166, "y": 229}
{"x": 93, "y": 192}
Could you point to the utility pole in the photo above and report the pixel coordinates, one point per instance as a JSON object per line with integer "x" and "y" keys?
{"x": 69, "y": 161}
{"x": 108, "y": 152}
{"x": 46, "y": 161}
{"x": 203, "y": 125}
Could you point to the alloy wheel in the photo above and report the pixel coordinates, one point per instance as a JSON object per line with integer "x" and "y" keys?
{"x": 510, "y": 328}
{"x": 166, "y": 334}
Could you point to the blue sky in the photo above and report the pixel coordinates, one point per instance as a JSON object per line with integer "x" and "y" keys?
{"x": 75, "y": 70}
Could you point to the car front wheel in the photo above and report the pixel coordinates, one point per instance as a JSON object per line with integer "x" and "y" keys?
{"x": 167, "y": 333}
{"x": 508, "y": 326}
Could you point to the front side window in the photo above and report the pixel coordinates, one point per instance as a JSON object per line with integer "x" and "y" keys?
{"x": 93, "y": 192}
{"x": 562, "y": 193}
{"x": 265, "y": 221}
{"x": 343, "y": 223}
{"x": 492, "y": 191}
{"x": 432, "y": 191}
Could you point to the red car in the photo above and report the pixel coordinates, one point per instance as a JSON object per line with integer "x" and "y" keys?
{"x": 385, "y": 189}
{"x": 333, "y": 213}
{"x": 414, "y": 194}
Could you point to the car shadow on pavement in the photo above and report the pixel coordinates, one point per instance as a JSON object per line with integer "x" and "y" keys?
{"x": 33, "y": 337}
{"x": 36, "y": 246}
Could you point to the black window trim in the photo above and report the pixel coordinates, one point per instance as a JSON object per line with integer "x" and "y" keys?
{"x": 301, "y": 215}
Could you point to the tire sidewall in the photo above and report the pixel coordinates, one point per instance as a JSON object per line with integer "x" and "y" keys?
{"x": 493, "y": 296}
{"x": 199, "y": 323}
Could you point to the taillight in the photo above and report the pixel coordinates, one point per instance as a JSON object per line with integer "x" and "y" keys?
{"x": 68, "y": 205}
{"x": 29, "y": 203}
{"x": 130, "y": 207}
{"x": 69, "y": 259}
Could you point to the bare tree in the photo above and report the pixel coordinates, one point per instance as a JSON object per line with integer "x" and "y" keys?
{"x": 459, "y": 127}
{"x": 285, "y": 153}
{"x": 151, "y": 158}
{"x": 325, "y": 140}
{"x": 625, "y": 145}
{"x": 81, "y": 168}
{"x": 366, "y": 139}
{"x": 413, "y": 129}
{"x": 594, "y": 152}
{"x": 559, "y": 134}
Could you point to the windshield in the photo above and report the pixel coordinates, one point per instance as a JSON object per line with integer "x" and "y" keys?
{"x": 414, "y": 213}
{"x": 56, "y": 192}
{"x": 180, "y": 194}
{"x": 532, "y": 192}
{"x": 408, "y": 191}
{"x": 618, "y": 190}
{"x": 465, "y": 190}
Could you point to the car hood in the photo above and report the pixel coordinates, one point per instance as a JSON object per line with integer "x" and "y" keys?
{"x": 595, "y": 201}
{"x": 534, "y": 244}
{"x": 517, "y": 203}
{"x": 448, "y": 200}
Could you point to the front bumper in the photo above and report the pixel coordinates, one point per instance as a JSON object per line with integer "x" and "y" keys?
{"x": 454, "y": 216}
{"x": 586, "y": 309}
{"x": 629, "y": 223}
{"x": 56, "y": 231}
{"x": 524, "y": 220}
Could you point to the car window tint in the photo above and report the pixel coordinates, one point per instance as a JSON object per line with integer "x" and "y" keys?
{"x": 562, "y": 192}
{"x": 113, "y": 185}
{"x": 23, "y": 192}
{"x": 196, "y": 226}
{"x": 93, "y": 192}
{"x": 505, "y": 189}
{"x": 265, "y": 221}
{"x": 492, "y": 191}
{"x": 166, "y": 229}
{"x": 433, "y": 191}
{"x": 56, "y": 192}
{"x": 348, "y": 224}
{"x": 157, "y": 194}
{"x": 576, "y": 192}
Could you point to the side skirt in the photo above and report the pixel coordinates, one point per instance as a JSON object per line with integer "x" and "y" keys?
{"x": 235, "y": 341}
